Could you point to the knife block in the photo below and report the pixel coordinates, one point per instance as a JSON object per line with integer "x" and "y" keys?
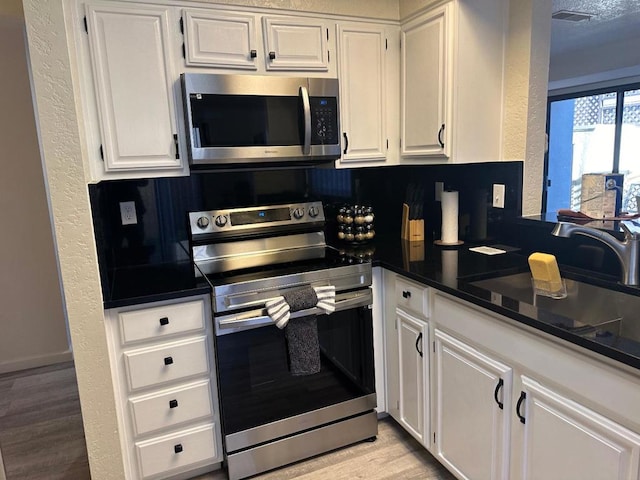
{"x": 412, "y": 230}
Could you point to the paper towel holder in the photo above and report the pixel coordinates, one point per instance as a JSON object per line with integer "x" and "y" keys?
{"x": 440, "y": 243}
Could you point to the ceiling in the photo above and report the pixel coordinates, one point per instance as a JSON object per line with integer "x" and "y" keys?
{"x": 612, "y": 21}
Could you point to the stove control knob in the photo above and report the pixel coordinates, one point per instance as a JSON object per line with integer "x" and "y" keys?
{"x": 202, "y": 222}
{"x": 313, "y": 212}
{"x": 298, "y": 213}
{"x": 221, "y": 220}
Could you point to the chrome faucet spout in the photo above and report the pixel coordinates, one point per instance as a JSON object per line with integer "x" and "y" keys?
{"x": 626, "y": 250}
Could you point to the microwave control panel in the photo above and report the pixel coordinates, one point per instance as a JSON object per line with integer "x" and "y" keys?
{"x": 324, "y": 120}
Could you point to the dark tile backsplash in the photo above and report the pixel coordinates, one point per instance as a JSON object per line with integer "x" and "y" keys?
{"x": 160, "y": 235}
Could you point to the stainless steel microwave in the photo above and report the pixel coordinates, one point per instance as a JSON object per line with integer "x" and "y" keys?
{"x": 245, "y": 119}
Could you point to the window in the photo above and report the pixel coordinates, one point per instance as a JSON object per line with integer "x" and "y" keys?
{"x": 592, "y": 132}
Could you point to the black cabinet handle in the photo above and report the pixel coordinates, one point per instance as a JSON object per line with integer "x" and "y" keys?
{"x": 253, "y": 53}
{"x": 522, "y": 398}
{"x": 173, "y": 403}
{"x": 272, "y": 55}
{"x": 164, "y": 321}
{"x": 175, "y": 141}
{"x": 168, "y": 360}
{"x": 440, "y": 132}
{"x": 495, "y": 394}
{"x": 406, "y": 294}
{"x": 178, "y": 448}
{"x": 346, "y": 142}
{"x": 417, "y": 342}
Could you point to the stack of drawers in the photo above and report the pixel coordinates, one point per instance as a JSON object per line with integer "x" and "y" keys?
{"x": 164, "y": 376}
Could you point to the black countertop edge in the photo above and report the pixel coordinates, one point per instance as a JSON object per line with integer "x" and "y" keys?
{"x": 153, "y": 283}
{"x": 427, "y": 273}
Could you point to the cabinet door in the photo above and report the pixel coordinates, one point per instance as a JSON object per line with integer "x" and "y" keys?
{"x": 472, "y": 405}
{"x": 424, "y": 79}
{"x": 217, "y": 39}
{"x": 565, "y": 440}
{"x": 134, "y": 86}
{"x": 295, "y": 44}
{"x": 362, "y": 91}
{"x": 413, "y": 353}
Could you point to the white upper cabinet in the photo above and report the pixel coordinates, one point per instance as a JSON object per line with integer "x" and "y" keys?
{"x": 453, "y": 82}
{"x": 134, "y": 89}
{"x": 424, "y": 89}
{"x": 367, "y": 84}
{"x": 218, "y": 39}
{"x": 296, "y": 44}
{"x": 231, "y": 40}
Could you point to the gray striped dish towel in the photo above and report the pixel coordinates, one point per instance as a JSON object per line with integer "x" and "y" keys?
{"x": 280, "y": 308}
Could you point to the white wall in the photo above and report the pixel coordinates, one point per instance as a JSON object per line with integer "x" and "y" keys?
{"x": 32, "y": 323}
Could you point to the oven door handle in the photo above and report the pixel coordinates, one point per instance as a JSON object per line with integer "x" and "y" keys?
{"x": 259, "y": 317}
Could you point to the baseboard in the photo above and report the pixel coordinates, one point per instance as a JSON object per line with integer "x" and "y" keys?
{"x": 34, "y": 362}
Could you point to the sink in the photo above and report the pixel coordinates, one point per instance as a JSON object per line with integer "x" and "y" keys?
{"x": 588, "y": 310}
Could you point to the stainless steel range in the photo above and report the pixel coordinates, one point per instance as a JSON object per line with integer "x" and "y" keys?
{"x": 272, "y": 416}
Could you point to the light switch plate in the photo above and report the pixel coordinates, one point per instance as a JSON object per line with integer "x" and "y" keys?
{"x": 128, "y": 213}
{"x": 498, "y": 195}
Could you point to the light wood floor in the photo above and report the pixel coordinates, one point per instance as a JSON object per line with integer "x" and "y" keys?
{"x": 41, "y": 438}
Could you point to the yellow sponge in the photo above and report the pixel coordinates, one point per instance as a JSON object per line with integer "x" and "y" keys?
{"x": 545, "y": 272}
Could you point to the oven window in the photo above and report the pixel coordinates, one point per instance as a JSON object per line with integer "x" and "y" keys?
{"x": 257, "y": 388}
{"x": 245, "y": 120}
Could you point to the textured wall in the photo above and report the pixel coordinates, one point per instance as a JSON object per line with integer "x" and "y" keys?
{"x": 32, "y": 315}
{"x": 526, "y": 83}
{"x": 384, "y": 9}
{"x": 60, "y": 143}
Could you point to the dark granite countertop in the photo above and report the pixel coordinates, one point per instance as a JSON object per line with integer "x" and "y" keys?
{"x": 153, "y": 283}
{"x": 453, "y": 270}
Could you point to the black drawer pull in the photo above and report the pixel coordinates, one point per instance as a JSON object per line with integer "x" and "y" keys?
{"x": 178, "y": 448}
{"x": 173, "y": 403}
{"x": 272, "y": 55}
{"x": 522, "y": 398}
{"x": 495, "y": 394}
{"x": 164, "y": 321}
{"x": 406, "y": 294}
{"x": 168, "y": 360}
{"x": 253, "y": 54}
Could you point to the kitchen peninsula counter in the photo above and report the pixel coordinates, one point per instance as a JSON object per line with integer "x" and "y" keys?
{"x": 453, "y": 271}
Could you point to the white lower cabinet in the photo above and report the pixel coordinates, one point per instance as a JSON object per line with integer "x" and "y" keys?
{"x": 413, "y": 363}
{"x": 162, "y": 361}
{"x": 491, "y": 399}
{"x": 472, "y": 410}
{"x": 564, "y": 440}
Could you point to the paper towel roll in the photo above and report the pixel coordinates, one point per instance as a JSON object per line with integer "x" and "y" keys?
{"x": 449, "y": 218}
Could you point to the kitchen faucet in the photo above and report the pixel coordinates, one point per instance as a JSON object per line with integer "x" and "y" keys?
{"x": 626, "y": 250}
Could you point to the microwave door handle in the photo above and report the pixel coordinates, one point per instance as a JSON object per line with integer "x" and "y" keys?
{"x": 306, "y": 110}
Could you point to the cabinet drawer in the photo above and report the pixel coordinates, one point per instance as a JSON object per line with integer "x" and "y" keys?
{"x": 161, "y": 321}
{"x": 172, "y": 361}
{"x": 412, "y": 296}
{"x": 177, "y": 452}
{"x": 171, "y": 407}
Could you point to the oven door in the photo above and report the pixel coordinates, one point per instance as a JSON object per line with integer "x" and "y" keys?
{"x": 262, "y": 401}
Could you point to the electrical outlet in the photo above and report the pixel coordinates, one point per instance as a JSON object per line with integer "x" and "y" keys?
{"x": 498, "y": 195}
{"x": 128, "y": 213}
{"x": 439, "y": 190}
